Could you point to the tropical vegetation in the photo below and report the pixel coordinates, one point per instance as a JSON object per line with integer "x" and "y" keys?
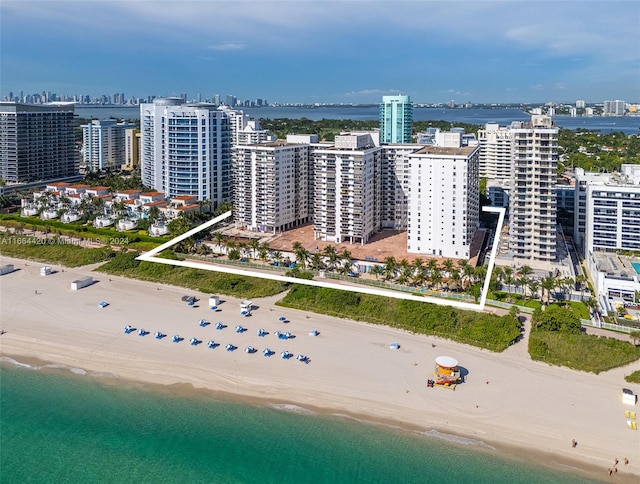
{"x": 556, "y": 338}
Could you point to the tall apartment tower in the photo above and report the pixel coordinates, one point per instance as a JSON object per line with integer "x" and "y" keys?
{"x": 347, "y": 190}
{"x": 614, "y": 108}
{"x": 495, "y": 152}
{"x": 532, "y": 210}
{"x": 37, "y": 142}
{"x": 186, "y": 149}
{"x": 394, "y": 203}
{"x": 444, "y": 201}
{"x": 104, "y": 144}
{"x": 131, "y": 149}
{"x": 396, "y": 118}
{"x": 272, "y": 186}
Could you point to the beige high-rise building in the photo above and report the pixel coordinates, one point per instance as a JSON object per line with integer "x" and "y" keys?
{"x": 532, "y": 202}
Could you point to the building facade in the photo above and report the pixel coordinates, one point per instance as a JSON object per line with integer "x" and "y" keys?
{"x": 444, "y": 201}
{"x": 37, "y": 142}
{"x": 104, "y": 144}
{"x": 186, "y": 150}
{"x": 271, "y": 186}
{"x": 131, "y": 149}
{"x": 396, "y": 119}
{"x": 608, "y": 210}
{"x": 347, "y": 189}
{"x": 614, "y": 108}
{"x": 495, "y": 152}
{"x": 532, "y": 204}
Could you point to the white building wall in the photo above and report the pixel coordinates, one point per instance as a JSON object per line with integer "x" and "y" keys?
{"x": 495, "y": 153}
{"x": 443, "y": 201}
{"x": 186, "y": 150}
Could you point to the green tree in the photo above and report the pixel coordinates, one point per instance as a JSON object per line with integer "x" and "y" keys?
{"x": 556, "y": 318}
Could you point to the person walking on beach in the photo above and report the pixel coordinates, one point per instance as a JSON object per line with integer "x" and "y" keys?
{"x": 574, "y": 443}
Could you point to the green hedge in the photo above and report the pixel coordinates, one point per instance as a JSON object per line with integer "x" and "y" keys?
{"x": 208, "y": 282}
{"x": 484, "y": 330}
{"x": 53, "y": 251}
{"x": 634, "y": 377}
{"x": 581, "y": 351}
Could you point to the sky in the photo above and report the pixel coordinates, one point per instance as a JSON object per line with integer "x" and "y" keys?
{"x": 325, "y": 51}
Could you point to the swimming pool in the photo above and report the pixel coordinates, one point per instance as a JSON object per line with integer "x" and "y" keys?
{"x": 636, "y": 266}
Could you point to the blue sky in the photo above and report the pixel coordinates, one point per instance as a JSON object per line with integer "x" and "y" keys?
{"x": 325, "y": 51}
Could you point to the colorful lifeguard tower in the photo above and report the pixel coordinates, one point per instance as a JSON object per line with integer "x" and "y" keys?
{"x": 446, "y": 372}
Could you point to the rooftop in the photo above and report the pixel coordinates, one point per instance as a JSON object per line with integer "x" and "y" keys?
{"x": 438, "y": 150}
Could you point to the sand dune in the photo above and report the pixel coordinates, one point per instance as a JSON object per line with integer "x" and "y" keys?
{"x": 521, "y": 407}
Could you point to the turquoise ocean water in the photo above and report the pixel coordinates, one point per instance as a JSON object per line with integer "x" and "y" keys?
{"x": 56, "y": 427}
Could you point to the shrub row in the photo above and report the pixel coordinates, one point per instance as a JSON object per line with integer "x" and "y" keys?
{"x": 484, "y": 330}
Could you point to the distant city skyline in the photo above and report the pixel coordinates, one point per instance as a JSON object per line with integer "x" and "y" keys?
{"x": 324, "y": 51}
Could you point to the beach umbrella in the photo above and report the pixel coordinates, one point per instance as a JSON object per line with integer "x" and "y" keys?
{"x": 394, "y": 346}
{"x": 314, "y": 332}
{"x": 211, "y": 343}
{"x": 282, "y": 318}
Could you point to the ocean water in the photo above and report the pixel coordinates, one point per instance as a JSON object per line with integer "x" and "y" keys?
{"x": 60, "y": 427}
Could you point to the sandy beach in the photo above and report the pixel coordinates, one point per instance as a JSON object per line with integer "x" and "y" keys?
{"x": 523, "y": 408}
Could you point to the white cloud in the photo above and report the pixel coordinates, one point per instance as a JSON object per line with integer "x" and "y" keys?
{"x": 229, "y": 45}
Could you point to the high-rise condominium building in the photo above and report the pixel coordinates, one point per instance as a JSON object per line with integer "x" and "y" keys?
{"x": 495, "y": 152}
{"x": 532, "y": 210}
{"x": 607, "y": 215}
{"x": 186, "y": 149}
{"x": 614, "y": 108}
{"x": 395, "y": 185}
{"x": 37, "y": 142}
{"x": 396, "y": 118}
{"x": 347, "y": 189}
{"x": 131, "y": 149}
{"x": 272, "y": 186}
{"x": 444, "y": 200}
{"x": 104, "y": 143}
{"x": 580, "y": 103}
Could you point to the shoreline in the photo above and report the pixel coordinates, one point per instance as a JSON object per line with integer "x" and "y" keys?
{"x": 186, "y": 390}
{"x": 508, "y": 402}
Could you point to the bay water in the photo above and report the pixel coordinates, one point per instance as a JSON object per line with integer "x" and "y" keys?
{"x": 58, "y": 426}
{"x": 480, "y": 116}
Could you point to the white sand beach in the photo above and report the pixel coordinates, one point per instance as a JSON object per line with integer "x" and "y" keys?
{"x": 516, "y": 405}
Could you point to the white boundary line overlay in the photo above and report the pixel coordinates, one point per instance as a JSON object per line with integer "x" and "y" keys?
{"x": 150, "y": 256}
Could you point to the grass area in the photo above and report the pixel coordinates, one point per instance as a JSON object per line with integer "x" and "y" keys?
{"x": 581, "y": 351}
{"x": 634, "y": 377}
{"x": 52, "y": 251}
{"x": 484, "y": 330}
{"x": 580, "y": 309}
{"x": 208, "y": 282}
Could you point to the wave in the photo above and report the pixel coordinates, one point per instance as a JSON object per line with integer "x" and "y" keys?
{"x": 456, "y": 439}
{"x": 289, "y": 407}
{"x": 55, "y": 366}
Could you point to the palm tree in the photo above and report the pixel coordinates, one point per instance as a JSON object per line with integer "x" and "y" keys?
{"x": 346, "y": 256}
{"x": 243, "y": 248}
{"x": 376, "y": 270}
{"x": 435, "y": 277}
{"x": 508, "y": 277}
{"x": 254, "y": 244}
{"x": 218, "y": 237}
{"x": 533, "y": 287}
{"x": 405, "y": 274}
{"x": 263, "y": 251}
{"x": 301, "y": 254}
{"x": 580, "y": 282}
{"x": 548, "y": 284}
{"x": 331, "y": 254}
{"x": 316, "y": 262}
{"x": 390, "y": 267}
{"x": 447, "y": 265}
{"x": 277, "y": 256}
{"x": 230, "y": 245}
{"x": 455, "y": 277}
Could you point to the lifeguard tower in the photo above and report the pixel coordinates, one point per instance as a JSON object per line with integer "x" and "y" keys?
{"x": 446, "y": 372}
